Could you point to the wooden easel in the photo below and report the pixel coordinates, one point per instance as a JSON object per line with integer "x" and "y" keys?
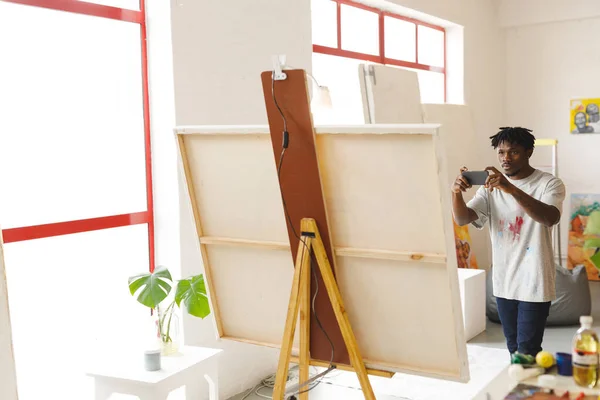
{"x": 301, "y": 187}
{"x": 300, "y": 301}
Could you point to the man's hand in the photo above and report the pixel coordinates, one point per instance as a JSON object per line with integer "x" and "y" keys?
{"x": 461, "y": 184}
{"x": 463, "y": 215}
{"x": 537, "y": 210}
{"x": 497, "y": 180}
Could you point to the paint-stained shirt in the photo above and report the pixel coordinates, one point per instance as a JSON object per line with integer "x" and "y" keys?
{"x": 522, "y": 252}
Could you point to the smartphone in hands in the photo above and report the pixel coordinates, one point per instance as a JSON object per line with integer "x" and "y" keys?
{"x": 475, "y": 177}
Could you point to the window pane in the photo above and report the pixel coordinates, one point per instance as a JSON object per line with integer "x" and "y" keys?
{"x": 68, "y": 298}
{"x": 400, "y": 39}
{"x": 431, "y": 46}
{"x": 324, "y": 23}
{"x": 431, "y": 86}
{"x": 360, "y": 30}
{"x": 71, "y": 132}
{"x": 341, "y": 76}
{"x": 128, "y": 4}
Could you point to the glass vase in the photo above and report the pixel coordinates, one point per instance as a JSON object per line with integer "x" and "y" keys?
{"x": 168, "y": 330}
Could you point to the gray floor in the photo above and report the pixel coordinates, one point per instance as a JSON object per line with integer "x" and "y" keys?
{"x": 556, "y": 339}
{"x": 323, "y": 392}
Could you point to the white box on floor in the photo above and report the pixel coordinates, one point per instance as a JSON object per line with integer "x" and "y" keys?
{"x": 472, "y": 296}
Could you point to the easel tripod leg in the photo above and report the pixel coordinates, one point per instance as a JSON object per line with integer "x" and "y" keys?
{"x": 302, "y": 263}
{"x": 305, "y": 324}
{"x": 340, "y": 312}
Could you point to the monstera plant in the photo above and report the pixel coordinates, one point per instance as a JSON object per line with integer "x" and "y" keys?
{"x": 152, "y": 288}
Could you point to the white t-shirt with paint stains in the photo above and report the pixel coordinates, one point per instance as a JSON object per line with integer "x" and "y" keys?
{"x": 523, "y": 258}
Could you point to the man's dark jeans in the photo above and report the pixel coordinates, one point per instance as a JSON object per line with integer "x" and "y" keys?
{"x": 523, "y": 324}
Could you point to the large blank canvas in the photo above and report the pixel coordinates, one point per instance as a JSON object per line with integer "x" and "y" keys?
{"x": 390, "y": 95}
{"x": 390, "y": 233}
{"x": 8, "y": 384}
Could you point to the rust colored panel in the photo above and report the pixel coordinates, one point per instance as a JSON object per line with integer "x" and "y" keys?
{"x": 302, "y": 192}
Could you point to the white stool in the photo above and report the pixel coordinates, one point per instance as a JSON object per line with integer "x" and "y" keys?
{"x": 471, "y": 283}
{"x": 125, "y": 374}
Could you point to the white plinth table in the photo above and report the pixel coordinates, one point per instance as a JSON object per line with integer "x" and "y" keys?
{"x": 472, "y": 297}
{"x": 124, "y": 373}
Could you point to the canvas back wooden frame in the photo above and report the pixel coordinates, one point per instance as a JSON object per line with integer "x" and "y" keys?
{"x": 389, "y": 208}
{"x": 8, "y": 380}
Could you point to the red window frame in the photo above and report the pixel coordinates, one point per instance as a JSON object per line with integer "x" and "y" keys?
{"x": 113, "y": 221}
{"x": 381, "y": 58}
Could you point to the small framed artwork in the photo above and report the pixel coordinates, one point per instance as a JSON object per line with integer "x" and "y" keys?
{"x": 585, "y": 117}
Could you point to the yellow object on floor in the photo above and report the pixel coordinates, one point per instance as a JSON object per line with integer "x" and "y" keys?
{"x": 544, "y": 359}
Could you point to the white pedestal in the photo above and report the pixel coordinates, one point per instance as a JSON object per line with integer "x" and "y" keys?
{"x": 472, "y": 296}
{"x": 125, "y": 374}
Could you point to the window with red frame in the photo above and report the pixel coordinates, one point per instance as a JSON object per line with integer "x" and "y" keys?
{"x": 346, "y": 34}
{"x": 74, "y": 98}
{"x": 76, "y": 207}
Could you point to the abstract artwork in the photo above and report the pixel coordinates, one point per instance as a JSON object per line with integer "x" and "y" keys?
{"x": 585, "y": 116}
{"x": 584, "y": 234}
{"x": 464, "y": 249}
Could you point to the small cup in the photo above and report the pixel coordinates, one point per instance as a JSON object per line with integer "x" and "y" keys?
{"x": 152, "y": 360}
{"x": 564, "y": 363}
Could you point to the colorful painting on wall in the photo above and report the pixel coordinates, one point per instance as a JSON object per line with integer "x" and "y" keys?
{"x": 584, "y": 234}
{"x": 464, "y": 249}
{"x": 585, "y": 116}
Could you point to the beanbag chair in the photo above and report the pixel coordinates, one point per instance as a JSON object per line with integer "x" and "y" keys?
{"x": 573, "y": 297}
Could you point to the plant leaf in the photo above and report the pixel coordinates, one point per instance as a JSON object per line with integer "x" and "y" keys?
{"x": 183, "y": 288}
{"x": 162, "y": 272}
{"x": 198, "y": 281}
{"x": 192, "y": 292}
{"x": 155, "y": 287}
{"x": 136, "y": 282}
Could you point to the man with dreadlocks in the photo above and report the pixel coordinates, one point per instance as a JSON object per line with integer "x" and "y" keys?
{"x": 521, "y": 204}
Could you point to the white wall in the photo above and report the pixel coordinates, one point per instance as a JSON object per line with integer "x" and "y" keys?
{"x": 162, "y": 120}
{"x": 547, "y": 65}
{"x": 512, "y": 13}
{"x": 219, "y": 51}
{"x": 220, "y": 48}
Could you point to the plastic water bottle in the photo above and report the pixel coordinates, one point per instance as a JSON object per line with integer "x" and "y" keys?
{"x": 585, "y": 354}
